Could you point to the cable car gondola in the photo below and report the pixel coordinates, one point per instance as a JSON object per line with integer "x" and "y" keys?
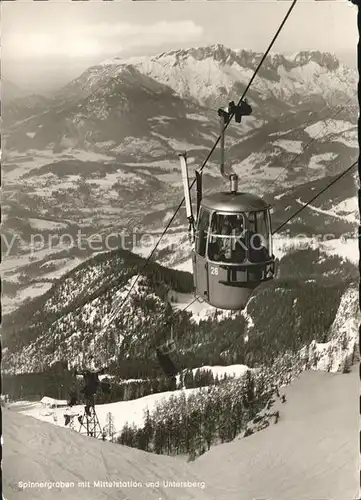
{"x": 163, "y": 353}
{"x": 231, "y": 237}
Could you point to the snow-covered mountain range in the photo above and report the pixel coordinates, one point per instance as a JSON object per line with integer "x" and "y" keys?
{"x": 212, "y": 74}
{"x": 115, "y": 99}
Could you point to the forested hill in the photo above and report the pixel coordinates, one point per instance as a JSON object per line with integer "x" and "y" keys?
{"x": 67, "y": 323}
{"x": 74, "y": 309}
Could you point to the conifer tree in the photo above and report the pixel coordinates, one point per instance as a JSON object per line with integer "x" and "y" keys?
{"x": 159, "y": 441}
{"x": 209, "y": 428}
{"x": 148, "y": 430}
{"x": 110, "y": 426}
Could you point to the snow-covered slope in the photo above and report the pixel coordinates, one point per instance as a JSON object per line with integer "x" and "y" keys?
{"x": 37, "y": 451}
{"x": 118, "y": 116}
{"x": 312, "y": 452}
{"x": 333, "y": 213}
{"x": 131, "y": 412}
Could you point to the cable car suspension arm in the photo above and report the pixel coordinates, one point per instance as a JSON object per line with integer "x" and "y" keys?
{"x": 209, "y": 154}
{"x": 187, "y": 195}
{"x": 239, "y": 110}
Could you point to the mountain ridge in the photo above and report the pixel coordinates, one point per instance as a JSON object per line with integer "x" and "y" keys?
{"x": 70, "y": 319}
{"x": 318, "y": 68}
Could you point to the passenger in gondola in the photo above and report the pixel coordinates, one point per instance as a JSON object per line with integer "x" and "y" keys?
{"x": 238, "y": 242}
{"x": 227, "y": 226}
{"x": 257, "y": 250}
{"x": 239, "y": 251}
{"x": 220, "y": 247}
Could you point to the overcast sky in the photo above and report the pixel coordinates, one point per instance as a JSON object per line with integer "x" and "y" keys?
{"x": 49, "y": 43}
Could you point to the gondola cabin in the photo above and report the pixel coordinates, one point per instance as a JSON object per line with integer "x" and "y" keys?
{"x": 233, "y": 248}
{"x": 232, "y": 234}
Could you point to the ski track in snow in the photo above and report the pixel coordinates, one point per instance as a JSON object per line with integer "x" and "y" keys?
{"x": 37, "y": 451}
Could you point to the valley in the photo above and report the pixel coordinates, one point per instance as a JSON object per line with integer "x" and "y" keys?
{"x": 263, "y": 404}
{"x": 64, "y": 188}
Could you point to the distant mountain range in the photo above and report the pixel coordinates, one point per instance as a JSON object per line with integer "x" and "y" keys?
{"x": 10, "y": 91}
{"x": 174, "y": 94}
{"x": 213, "y": 74}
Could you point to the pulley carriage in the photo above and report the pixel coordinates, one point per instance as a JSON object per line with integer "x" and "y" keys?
{"x": 232, "y": 252}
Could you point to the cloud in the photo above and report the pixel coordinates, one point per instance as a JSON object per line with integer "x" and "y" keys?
{"x": 34, "y": 45}
{"x": 97, "y": 39}
{"x": 163, "y": 31}
{"x": 125, "y": 36}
